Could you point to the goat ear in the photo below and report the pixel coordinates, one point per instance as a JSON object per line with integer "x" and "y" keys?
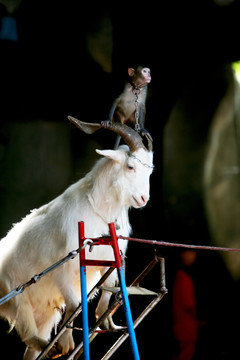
{"x": 115, "y": 155}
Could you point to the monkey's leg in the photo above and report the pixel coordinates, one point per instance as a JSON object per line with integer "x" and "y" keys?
{"x": 143, "y": 132}
{"x": 117, "y": 142}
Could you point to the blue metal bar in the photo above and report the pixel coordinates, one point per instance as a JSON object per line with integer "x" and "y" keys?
{"x": 83, "y": 276}
{"x": 123, "y": 290}
{"x": 128, "y": 313}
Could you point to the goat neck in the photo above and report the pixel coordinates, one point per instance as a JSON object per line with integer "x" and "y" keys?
{"x": 104, "y": 194}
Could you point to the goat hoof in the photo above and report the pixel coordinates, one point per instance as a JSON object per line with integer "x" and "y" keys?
{"x": 54, "y": 353}
{"x": 108, "y": 324}
{"x": 113, "y": 326}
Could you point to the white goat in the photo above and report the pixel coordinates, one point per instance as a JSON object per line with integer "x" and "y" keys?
{"x": 116, "y": 182}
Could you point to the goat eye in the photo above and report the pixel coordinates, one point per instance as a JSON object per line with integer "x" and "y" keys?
{"x": 130, "y": 167}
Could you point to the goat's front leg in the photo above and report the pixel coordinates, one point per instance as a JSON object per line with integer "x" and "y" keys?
{"x": 65, "y": 343}
{"x": 30, "y": 354}
{"x": 103, "y": 303}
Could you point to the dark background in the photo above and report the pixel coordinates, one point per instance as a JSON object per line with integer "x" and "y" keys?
{"x": 71, "y": 59}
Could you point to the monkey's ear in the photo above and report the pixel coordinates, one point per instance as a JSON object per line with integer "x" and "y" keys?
{"x": 131, "y": 72}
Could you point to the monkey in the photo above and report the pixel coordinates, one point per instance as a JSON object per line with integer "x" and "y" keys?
{"x": 129, "y": 107}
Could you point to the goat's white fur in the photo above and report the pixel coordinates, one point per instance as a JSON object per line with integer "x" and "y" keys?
{"x": 49, "y": 233}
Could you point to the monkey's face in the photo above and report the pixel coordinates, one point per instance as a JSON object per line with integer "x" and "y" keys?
{"x": 146, "y": 75}
{"x": 141, "y": 76}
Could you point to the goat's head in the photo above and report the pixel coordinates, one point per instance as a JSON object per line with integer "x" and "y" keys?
{"x": 133, "y": 163}
{"x": 130, "y": 175}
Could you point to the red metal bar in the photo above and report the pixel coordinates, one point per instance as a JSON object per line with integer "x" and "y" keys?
{"x": 112, "y": 241}
{"x": 90, "y": 262}
{"x": 81, "y": 234}
{"x": 115, "y": 246}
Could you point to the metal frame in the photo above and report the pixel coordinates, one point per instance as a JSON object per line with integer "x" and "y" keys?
{"x": 90, "y": 334}
{"x": 112, "y": 241}
{"x": 151, "y": 305}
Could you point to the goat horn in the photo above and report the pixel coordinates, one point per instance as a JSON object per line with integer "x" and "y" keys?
{"x": 88, "y": 128}
{"x": 130, "y": 136}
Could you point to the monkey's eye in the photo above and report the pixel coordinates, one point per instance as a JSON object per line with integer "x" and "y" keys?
{"x": 146, "y": 71}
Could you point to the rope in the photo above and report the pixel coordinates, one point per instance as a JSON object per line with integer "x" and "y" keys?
{"x": 90, "y": 241}
{"x": 37, "y": 277}
{"x": 164, "y": 243}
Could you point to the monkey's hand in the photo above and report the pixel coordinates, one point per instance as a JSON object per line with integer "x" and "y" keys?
{"x": 106, "y": 123}
{"x": 143, "y": 132}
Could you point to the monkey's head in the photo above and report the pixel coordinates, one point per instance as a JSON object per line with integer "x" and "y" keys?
{"x": 140, "y": 77}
